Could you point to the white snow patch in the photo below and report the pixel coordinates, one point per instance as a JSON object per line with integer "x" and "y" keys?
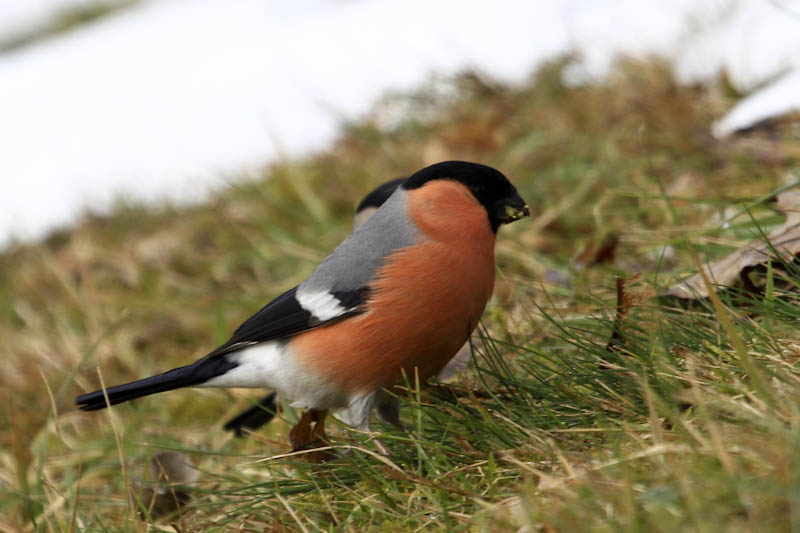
{"x": 776, "y": 99}
{"x": 171, "y": 98}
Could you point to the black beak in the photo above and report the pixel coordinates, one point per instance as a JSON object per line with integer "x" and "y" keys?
{"x": 510, "y": 209}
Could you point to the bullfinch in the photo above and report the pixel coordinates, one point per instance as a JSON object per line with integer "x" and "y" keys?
{"x": 394, "y": 301}
{"x": 264, "y": 411}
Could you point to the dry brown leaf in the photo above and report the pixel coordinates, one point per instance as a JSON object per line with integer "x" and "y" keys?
{"x": 733, "y": 269}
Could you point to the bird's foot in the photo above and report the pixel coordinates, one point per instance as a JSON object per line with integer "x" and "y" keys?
{"x": 309, "y": 434}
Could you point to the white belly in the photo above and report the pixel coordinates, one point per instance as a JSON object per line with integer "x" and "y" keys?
{"x": 269, "y": 365}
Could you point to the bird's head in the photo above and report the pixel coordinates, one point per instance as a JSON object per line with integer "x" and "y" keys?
{"x": 489, "y": 186}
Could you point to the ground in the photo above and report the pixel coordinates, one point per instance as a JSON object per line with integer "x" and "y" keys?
{"x": 579, "y": 414}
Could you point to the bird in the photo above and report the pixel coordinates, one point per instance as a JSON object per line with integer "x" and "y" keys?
{"x": 393, "y": 302}
{"x": 263, "y": 411}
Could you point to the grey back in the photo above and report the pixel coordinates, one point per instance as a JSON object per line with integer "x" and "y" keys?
{"x": 352, "y": 265}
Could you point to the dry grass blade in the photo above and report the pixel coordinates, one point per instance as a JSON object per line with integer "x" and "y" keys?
{"x": 733, "y": 336}
{"x": 628, "y": 296}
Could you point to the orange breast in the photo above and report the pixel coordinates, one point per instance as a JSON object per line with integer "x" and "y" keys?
{"x": 426, "y": 300}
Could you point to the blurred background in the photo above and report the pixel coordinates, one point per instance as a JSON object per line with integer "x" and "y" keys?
{"x": 168, "y": 166}
{"x": 168, "y": 99}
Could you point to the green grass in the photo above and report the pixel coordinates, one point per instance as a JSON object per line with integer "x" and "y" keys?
{"x": 690, "y": 424}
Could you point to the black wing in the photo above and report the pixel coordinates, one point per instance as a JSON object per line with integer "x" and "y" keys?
{"x": 284, "y": 316}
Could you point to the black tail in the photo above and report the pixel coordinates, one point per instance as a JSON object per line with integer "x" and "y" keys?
{"x": 255, "y": 417}
{"x": 185, "y": 376}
